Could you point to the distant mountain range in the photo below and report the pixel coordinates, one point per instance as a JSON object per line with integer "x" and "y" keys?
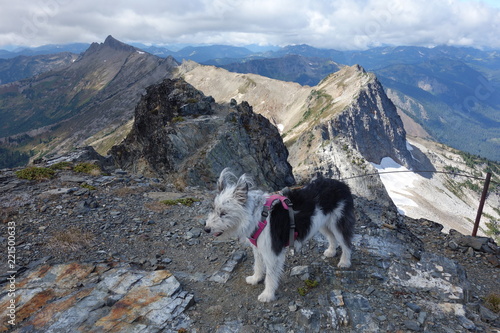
{"x": 45, "y": 49}
{"x": 22, "y": 67}
{"x": 451, "y": 92}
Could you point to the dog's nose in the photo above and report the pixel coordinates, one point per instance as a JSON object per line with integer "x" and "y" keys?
{"x": 207, "y": 230}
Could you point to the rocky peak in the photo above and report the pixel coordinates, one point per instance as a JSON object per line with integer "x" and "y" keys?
{"x": 92, "y": 96}
{"x": 117, "y": 45}
{"x": 183, "y": 135}
{"x": 371, "y": 123}
{"x": 352, "y": 104}
{"x": 350, "y": 122}
{"x": 110, "y": 43}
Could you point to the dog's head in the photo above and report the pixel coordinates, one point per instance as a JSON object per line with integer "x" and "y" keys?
{"x": 229, "y": 211}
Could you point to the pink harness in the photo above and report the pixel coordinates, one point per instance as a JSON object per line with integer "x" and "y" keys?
{"x": 268, "y": 206}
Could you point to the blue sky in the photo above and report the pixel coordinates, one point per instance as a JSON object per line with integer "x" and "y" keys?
{"x": 493, "y": 3}
{"x": 339, "y": 24}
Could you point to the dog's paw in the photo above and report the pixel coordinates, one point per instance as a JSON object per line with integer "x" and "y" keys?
{"x": 344, "y": 264}
{"x": 253, "y": 280}
{"x": 329, "y": 253}
{"x": 266, "y": 297}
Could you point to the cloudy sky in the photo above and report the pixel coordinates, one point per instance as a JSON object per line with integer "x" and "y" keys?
{"x": 339, "y": 24}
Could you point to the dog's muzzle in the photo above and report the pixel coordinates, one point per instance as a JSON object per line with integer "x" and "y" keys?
{"x": 209, "y": 230}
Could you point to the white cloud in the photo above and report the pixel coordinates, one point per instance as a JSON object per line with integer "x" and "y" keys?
{"x": 339, "y": 24}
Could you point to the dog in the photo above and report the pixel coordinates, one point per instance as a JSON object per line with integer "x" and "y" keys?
{"x": 324, "y": 205}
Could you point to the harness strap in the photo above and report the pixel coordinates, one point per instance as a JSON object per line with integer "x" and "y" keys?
{"x": 268, "y": 206}
{"x": 292, "y": 233}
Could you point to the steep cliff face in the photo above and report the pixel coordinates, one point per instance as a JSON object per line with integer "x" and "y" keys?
{"x": 348, "y": 122}
{"x": 370, "y": 123}
{"x": 182, "y": 135}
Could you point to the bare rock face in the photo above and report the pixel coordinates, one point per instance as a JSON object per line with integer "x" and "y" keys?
{"x": 182, "y": 135}
{"x": 98, "y": 298}
{"x": 373, "y": 126}
{"x": 350, "y": 107}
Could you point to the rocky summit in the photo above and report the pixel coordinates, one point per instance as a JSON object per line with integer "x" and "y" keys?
{"x": 119, "y": 252}
{"x": 183, "y": 135}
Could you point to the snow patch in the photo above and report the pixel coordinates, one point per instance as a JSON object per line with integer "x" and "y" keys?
{"x": 397, "y": 184}
{"x": 409, "y": 146}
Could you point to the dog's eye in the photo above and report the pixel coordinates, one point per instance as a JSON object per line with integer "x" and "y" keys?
{"x": 222, "y": 214}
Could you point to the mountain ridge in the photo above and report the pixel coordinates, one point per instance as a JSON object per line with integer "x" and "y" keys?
{"x": 471, "y": 95}
{"x": 60, "y": 109}
{"x": 288, "y": 113}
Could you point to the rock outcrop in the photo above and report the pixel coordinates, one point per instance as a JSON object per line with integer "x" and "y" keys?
{"x": 102, "y": 297}
{"x": 182, "y": 135}
{"x": 83, "y": 154}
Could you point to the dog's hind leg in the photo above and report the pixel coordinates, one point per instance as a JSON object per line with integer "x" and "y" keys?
{"x": 343, "y": 229}
{"x": 258, "y": 268}
{"x": 274, "y": 269}
{"x": 345, "y": 258}
{"x": 331, "y": 251}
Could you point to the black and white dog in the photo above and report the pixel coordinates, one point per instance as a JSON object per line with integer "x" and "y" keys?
{"x": 324, "y": 205}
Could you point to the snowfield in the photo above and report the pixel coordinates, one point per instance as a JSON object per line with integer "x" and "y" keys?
{"x": 398, "y": 182}
{"x": 429, "y": 196}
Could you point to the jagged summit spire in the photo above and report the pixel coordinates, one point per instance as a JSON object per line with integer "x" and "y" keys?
{"x": 110, "y": 43}
{"x": 116, "y": 44}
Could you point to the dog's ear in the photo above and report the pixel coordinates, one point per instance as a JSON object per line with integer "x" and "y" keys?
{"x": 221, "y": 182}
{"x": 224, "y": 179}
{"x": 241, "y": 189}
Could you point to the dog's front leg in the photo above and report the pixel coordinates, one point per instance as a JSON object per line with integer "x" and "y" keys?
{"x": 274, "y": 269}
{"x": 258, "y": 268}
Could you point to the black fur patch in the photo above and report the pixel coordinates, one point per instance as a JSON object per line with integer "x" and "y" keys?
{"x": 324, "y": 193}
{"x": 280, "y": 228}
